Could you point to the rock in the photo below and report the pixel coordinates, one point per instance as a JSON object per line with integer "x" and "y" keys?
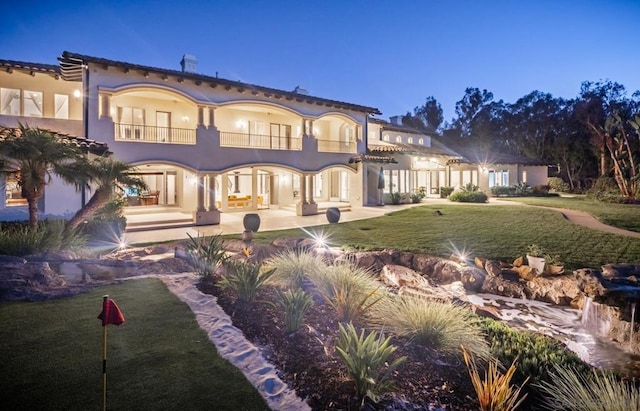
{"x": 525, "y": 272}
{"x": 31, "y": 280}
{"x": 620, "y": 270}
{"x": 472, "y": 278}
{"x": 559, "y": 290}
{"x": 518, "y": 261}
{"x": 286, "y": 242}
{"x": 590, "y": 282}
{"x": 503, "y": 286}
{"x": 406, "y": 281}
{"x": 479, "y": 262}
{"x": 487, "y": 311}
{"x": 493, "y": 268}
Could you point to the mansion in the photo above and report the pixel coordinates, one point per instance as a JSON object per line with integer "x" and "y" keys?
{"x": 206, "y": 145}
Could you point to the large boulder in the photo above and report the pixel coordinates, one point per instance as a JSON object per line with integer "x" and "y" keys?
{"x": 28, "y": 280}
{"x": 559, "y": 290}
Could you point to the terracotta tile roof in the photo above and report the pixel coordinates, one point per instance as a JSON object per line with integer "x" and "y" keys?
{"x": 71, "y": 65}
{"x": 91, "y": 146}
{"x": 31, "y": 67}
{"x": 370, "y": 158}
{"x": 436, "y": 149}
{"x": 482, "y": 157}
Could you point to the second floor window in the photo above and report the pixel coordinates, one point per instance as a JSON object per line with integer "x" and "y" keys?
{"x": 32, "y": 101}
{"x": 10, "y": 101}
{"x": 62, "y": 106}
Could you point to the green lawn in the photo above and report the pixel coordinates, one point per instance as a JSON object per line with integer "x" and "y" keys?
{"x": 496, "y": 232}
{"x": 159, "y": 359}
{"x": 625, "y": 216}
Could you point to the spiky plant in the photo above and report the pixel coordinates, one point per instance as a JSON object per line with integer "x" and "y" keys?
{"x": 572, "y": 390}
{"x": 366, "y": 358}
{"x": 294, "y": 266}
{"x": 443, "y": 326}
{"x": 207, "y": 254}
{"x": 350, "y": 290}
{"x": 494, "y": 391}
{"x": 295, "y": 303}
{"x": 245, "y": 279}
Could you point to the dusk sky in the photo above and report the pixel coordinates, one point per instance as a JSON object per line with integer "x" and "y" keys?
{"x": 385, "y": 54}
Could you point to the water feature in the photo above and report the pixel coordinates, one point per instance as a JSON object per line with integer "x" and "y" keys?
{"x": 566, "y": 325}
{"x": 633, "y": 318}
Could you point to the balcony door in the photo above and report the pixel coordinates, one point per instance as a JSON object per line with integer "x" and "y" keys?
{"x": 163, "y": 124}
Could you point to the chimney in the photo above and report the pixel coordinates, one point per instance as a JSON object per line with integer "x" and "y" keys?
{"x": 300, "y": 90}
{"x": 396, "y": 120}
{"x": 188, "y": 63}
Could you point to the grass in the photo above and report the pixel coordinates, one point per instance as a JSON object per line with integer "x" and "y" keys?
{"x": 158, "y": 359}
{"x": 494, "y": 232}
{"x": 626, "y": 216}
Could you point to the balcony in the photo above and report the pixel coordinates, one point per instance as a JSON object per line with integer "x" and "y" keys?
{"x": 151, "y": 134}
{"x": 335, "y": 146}
{"x": 245, "y": 140}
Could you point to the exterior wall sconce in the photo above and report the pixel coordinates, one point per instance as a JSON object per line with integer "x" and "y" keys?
{"x": 77, "y": 94}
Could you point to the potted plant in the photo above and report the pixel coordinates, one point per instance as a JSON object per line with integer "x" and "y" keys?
{"x": 535, "y": 258}
{"x": 554, "y": 265}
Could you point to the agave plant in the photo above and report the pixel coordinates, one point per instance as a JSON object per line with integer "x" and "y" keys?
{"x": 207, "y": 255}
{"x": 245, "y": 278}
{"x": 295, "y": 303}
{"x": 366, "y": 357}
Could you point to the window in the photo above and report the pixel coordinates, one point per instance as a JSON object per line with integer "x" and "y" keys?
{"x": 385, "y": 137}
{"x": 32, "y": 103}
{"x": 10, "y": 101}
{"x": 61, "y": 106}
{"x": 398, "y": 139}
{"x": 421, "y": 141}
{"x": 498, "y": 178}
{"x": 410, "y": 140}
{"x": 132, "y": 122}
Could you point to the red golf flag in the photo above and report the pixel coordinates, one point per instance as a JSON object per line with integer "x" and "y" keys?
{"x": 110, "y": 314}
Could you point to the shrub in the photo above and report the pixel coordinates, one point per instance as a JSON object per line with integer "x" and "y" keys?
{"x": 573, "y": 390}
{"x": 470, "y": 188}
{"x": 540, "y": 190}
{"x": 536, "y": 353}
{"x": 502, "y": 191}
{"x": 558, "y": 184}
{"x": 293, "y": 267}
{"x": 350, "y": 290}
{"x": 495, "y": 392}
{"x": 521, "y": 189}
{"x": 416, "y": 198}
{"x": 606, "y": 190}
{"x": 441, "y": 326}
{"x": 245, "y": 279}
{"x": 295, "y": 303}
{"x": 469, "y": 197}
{"x": 396, "y": 198}
{"x": 17, "y": 238}
{"x": 207, "y": 255}
{"x": 108, "y": 224}
{"x": 445, "y": 191}
{"x": 365, "y": 357}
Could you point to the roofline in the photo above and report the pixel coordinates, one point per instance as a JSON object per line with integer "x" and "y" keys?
{"x": 33, "y": 68}
{"x": 71, "y": 65}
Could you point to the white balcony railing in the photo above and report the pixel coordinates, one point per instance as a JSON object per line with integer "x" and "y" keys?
{"x": 334, "y": 146}
{"x": 153, "y": 134}
{"x": 245, "y": 140}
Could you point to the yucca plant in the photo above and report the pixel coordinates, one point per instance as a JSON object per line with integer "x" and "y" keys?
{"x": 442, "y": 326}
{"x": 295, "y": 303}
{"x": 350, "y": 290}
{"x": 572, "y": 390}
{"x": 207, "y": 254}
{"x": 245, "y": 278}
{"x": 494, "y": 391}
{"x": 294, "y": 266}
{"x": 366, "y": 360}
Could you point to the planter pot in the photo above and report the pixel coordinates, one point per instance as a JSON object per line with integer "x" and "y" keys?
{"x": 333, "y": 215}
{"x": 251, "y": 222}
{"x": 536, "y": 263}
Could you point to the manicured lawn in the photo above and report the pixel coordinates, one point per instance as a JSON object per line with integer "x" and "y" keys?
{"x": 496, "y": 232}
{"x": 159, "y": 359}
{"x": 625, "y": 216}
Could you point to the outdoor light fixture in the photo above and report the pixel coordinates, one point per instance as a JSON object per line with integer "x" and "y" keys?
{"x": 241, "y": 124}
{"x": 77, "y": 94}
{"x": 185, "y": 118}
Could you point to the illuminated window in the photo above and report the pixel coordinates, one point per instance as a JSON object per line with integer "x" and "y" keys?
{"x": 398, "y": 139}
{"x": 410, "y": 140}
{"x": 385, "y": 137}
{"x": 61, "y": 106}
{"x": 32, "y": 103}
{"x": 498, "y": 178}
{"x": 9, "y": 101}
{"x": 421, "y": 141}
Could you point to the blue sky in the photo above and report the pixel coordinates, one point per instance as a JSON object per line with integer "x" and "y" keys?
{"x": 386, "y": 54}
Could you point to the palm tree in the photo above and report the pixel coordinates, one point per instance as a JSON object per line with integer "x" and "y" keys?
{"x": 38, "y": 155}
{"x": 105, "y": 175}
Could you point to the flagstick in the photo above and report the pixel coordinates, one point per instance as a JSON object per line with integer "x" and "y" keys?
{"x": 104, "y": 358}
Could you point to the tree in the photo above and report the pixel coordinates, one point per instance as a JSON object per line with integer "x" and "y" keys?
{"x": 106, "y": 175}
{"x": 426, "y": 118}
{"x": 469, "y": 107}
{"x": 37, "y": 155}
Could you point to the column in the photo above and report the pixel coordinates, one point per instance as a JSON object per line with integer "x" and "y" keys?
{"x": 303, "y": 129}
{"x": 303, "y": 189}
{"x": 212, "y": 192}
{"x": 200, "y": 191}
{"x": 212, "y": 117}
{"x": 106, "y": 106}
{"x": 311, "y": 190}
{"x": 200, "y": 116}
{"x": 311, "y": 127}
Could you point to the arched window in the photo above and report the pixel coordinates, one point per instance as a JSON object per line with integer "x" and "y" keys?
{"x": 385, "y": 137}
{"x": 398, "y": 139}
{"x": 410, "y": 140}
{"x": 421, "y": 141}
